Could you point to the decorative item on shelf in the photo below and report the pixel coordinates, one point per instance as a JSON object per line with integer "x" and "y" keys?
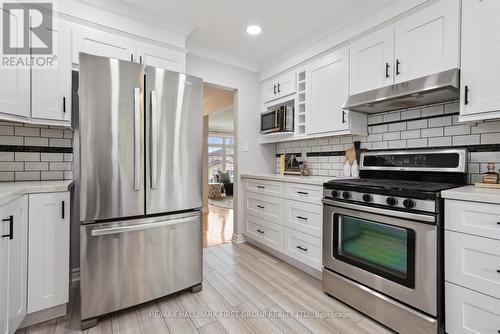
{"x": 355, "y": 169}
{"x": 347, "y": 168}
{"x": 305, "y": 171}
{"x": 292, "y": 164}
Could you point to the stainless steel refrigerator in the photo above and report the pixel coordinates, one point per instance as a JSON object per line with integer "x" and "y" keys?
{"x": 140, "y": 181}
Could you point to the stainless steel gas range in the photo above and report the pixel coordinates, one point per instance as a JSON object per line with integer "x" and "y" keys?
{"x": 383, "y": 237}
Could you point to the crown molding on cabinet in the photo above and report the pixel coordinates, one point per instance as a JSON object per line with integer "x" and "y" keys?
{"x": 375, "y": 21}
{"x": 202, "y": 52}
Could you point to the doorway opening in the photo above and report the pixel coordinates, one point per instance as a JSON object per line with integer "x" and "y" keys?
{"x": 218, "y": 164}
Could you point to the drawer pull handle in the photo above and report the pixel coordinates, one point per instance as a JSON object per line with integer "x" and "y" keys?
{"x": 498, "y": 271}
{"x": 302, "y": 248}
{"x": 498, "y": 223}
{"x": 301, "y": 218}
{"x": 11, "y": 228}
{"x": 260, "y": 231}
{"x": 260, "y": 206}
{"x": 261, "y": 187}
{"x": 302, "y": 193}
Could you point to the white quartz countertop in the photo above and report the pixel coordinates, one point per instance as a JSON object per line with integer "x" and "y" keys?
{"x": 316, "y": 180}
{"x": 474, "y": 194}
{"x": 9, "y": 191}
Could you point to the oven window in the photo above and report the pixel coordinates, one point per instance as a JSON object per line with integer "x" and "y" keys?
{"x": 385, "y": 250}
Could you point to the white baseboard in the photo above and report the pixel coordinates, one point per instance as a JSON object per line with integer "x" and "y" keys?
{"x": 238, "y": 238}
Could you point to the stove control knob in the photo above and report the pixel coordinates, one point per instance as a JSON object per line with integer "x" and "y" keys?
{"x": 346, "y": 195}
{"x": 335, "y": 193}
{"x": 408, "y": 203}
{"x": 367, "y": 198}
{"x": 391, "y": 201}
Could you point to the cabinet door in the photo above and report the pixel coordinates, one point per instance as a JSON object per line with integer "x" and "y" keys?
{"x": 51, "y": 87}
{"x": 14, "y": 80}
{"x": 4, "y": 272}
{"x": 162, "y": 58}
{"x": 18, "y": 262}
{"x": 480, "y": 71}
{"x": 281, "y": 86}
{"x": 371, "y": 61}
{"x": 328, "y": 91}
{"x": 102, "y": 43}
{"x": 269, "y": 91}
{"x": 48, "y": 256}
{"x": 427, "y": 42}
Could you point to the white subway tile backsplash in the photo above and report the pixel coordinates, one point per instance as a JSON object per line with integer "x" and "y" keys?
{"x": 24, "y": 166}
{"x": 418, "y": 124}
{"x": 409, "y": 133}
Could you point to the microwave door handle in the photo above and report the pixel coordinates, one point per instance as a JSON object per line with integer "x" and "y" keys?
{"x": 137, "y": 139}
{"x": 276, "y": 118}
{"x": 154, "y": 139}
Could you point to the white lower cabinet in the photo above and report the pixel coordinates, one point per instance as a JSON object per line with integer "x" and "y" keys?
{"x": 288, "y": 221}
{"x": 48, "y": 258}
{"x": 13, "y": 264}
{"x": 303, "y": 247}
{"x": 472, "y": 264}
{"x": 470, "y": 312}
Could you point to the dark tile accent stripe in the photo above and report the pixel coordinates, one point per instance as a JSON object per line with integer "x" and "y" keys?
{"x": 298, "y": 155}
{"x": 41, "y": 149}
{"x": 325, "y": 154}
{"x": 414, "y": 119}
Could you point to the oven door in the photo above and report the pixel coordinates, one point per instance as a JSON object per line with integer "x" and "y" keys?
{"x": 270, "y": 122}
{"x": 384, "y": 250}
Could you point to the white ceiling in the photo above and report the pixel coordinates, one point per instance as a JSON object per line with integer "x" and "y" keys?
{"x": 219, "y": 25}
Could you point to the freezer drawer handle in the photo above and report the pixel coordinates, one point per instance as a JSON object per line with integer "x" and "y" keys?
{"x": 11, "y": 228}
{"x": 137, "y": 139}
{"x": 154, "y": 140}
{"x": 142, "y": 227}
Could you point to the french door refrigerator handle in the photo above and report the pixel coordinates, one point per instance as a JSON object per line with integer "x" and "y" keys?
{"x": 154, "y": 140}
{"x": 141, "y": 227}
{"x": 137, "y": 139}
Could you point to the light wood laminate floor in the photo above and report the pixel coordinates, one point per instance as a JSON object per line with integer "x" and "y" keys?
{"x": 217, "y": 226}
{"x": 237, "y": 278}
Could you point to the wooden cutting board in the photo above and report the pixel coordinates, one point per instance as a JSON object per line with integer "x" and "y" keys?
{"x": 487, "y": 185}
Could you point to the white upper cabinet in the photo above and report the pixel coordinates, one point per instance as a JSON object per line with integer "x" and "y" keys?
{"x": 14, "y": 81}
{"x": 48, "y": 257}
{"x": 328, "y": 90}
{"x": 161, "y": 57}
{"x": 102, "y": 43}
{"x": 428, "y": 41}
{"x": 371, "y": 64}
{"x": 279, "y": 87}
{"x": 51, "y": 87}
{"x": 480, "y": 72}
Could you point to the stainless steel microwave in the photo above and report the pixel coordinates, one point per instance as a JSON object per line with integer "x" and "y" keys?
{"x": 280, "y": 119}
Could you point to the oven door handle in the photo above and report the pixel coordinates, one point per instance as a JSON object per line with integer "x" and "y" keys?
{"x": 397, "y": 214}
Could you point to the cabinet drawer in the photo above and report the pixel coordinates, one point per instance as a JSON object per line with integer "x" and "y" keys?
{"x": 468, "y": 311}
{"x": 265, "y": 207}
{"x": 272, "y": 188}
{"x": 473, "y": 262}
{"x": 481, "y": 219}
{"x": 304, "y": 217}
{"x": 304, "y": 192}
{"x": 303, "y": 248}
{"x": 265, "y": 232}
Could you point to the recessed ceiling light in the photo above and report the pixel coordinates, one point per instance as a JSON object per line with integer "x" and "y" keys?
{"x": 253, "y": 30}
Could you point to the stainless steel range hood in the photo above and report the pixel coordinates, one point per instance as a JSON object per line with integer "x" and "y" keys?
{"x": 435, "y": 88}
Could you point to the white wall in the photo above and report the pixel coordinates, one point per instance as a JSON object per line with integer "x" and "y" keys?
{"x": 258, "y": 158}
